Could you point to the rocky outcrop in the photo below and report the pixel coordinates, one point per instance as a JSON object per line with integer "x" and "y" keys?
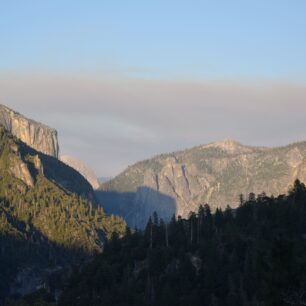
{"x": 20, "y": 170}
{"x": 82, "y": 169}
{"x": 25, "y": 164}
{"x": 37, "y": 135}
{"x": 216, "y": 173}
{"x": 43, "y": 142}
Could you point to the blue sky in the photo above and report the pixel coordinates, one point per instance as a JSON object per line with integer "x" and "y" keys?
{"x": 156, "y": 39}
{"x": 125, "y": 80}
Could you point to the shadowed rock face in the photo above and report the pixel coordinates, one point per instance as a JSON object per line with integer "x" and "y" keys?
{"x": 216, "y": 174}
{"x": 82, "y": 169}
{"x": 36, "y": 135}
{"x": 26, "y": 163}
{"x": 137, "y": 207}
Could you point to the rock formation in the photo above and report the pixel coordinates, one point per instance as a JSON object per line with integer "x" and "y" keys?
{"x": 82, "y": 169}
{"x": 37, "y": 135}
{"x": 216, "y": 173}
{"x": 25, "y": 164}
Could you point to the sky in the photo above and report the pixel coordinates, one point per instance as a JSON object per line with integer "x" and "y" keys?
{"x": 123, "y": 81}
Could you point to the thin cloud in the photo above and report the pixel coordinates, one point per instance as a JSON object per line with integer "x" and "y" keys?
{"x": 112, "y": 123}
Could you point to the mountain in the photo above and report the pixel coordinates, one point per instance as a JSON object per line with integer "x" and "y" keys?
{"x": 43, "y": 139}
{"x": 82, "y": 169}
{"x": 34, "y": 134}
{"x": 48, "y": 217}
{"x": 217, "y": 173}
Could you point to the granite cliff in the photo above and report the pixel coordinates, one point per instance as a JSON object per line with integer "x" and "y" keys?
{"x": 36, "y": 135}
{"x": 216, "y": 173}
{"x": 26, "y": 163}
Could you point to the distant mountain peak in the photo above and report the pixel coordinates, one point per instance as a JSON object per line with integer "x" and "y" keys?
{"x": 82, "y": 168}
{"x": 229, "y": 145}
{"x": 227, "y": 142}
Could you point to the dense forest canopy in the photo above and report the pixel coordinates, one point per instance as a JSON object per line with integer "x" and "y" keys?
{"x": 43, "y": 226}
{"x": 254, "y": 255}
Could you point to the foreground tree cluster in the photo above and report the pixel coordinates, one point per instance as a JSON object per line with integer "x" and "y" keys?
{"x": 253, "y": 255}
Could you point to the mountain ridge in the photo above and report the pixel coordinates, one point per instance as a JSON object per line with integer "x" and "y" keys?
{"x": 215, "y": 173}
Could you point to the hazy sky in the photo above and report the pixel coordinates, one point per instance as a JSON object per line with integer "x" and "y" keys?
{"x": 125, "y": 80}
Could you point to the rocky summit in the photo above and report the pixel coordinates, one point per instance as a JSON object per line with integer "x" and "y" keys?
{"x": 217, "y": 173}
{"x": 36, "y": 135}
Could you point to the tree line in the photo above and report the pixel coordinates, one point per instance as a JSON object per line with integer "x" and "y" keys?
{"x": 252, "y": 255}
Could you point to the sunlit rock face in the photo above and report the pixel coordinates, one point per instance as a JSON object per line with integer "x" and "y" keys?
{"x": 36, "y": 135}
{"x": 216, "y": 174}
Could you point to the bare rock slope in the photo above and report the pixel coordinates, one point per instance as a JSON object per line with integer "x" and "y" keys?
{"x": 216, "y": 173}
{"x": 36, "y": 135}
